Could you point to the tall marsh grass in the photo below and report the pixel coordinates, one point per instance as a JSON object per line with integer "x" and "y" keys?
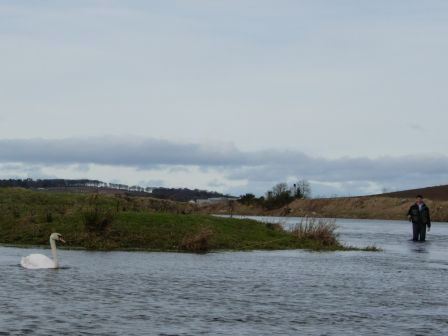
{"x": 322, "y": 230}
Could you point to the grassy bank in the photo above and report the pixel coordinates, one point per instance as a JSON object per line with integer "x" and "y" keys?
{"x": 103, "y": 222}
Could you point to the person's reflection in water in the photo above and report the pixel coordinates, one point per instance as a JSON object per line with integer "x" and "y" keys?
{"x": 419, "y": 248}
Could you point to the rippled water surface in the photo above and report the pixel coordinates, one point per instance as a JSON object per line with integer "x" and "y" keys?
{"x": 401, "y": 291}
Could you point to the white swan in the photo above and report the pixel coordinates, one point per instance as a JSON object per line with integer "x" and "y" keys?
{"x": 36, "y": 261}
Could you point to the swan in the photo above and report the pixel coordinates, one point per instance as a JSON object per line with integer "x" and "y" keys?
{"x": 36, "y": 261}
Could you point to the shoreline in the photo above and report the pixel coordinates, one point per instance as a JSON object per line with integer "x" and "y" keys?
{"x": 343, "y": 248}
{"x": 336, "y": 218}
{"x": 363, "y": 207}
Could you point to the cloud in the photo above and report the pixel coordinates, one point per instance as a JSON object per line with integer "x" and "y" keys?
{"x": 117, "y": 151}
{"x": 154, "y": 183}
{"x": 224, "y": 163}
{"x": 417, "y": 127}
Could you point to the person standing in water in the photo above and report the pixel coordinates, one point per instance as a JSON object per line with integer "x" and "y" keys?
{"x": 418, "y": 214}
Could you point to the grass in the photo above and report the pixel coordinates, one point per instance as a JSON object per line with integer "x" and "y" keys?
{"x": 321, "y": 233}
{"x": 104, "y": 222}
{"x": 322, "y": 230}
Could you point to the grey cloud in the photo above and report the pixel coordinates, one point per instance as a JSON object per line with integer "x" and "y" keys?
{"x": 350, "y": 169}
{"x": 416, "y": 127}
{"x": 260, "y": 167}
{"x": 20, "y": 170}
{"x": 115, "y": 151}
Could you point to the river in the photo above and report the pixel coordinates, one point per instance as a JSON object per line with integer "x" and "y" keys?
{"x": 400, "y": 291}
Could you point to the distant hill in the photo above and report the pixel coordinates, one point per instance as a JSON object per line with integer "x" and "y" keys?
{"x": 89, "y": 186}
{"x": 437, "y": 193}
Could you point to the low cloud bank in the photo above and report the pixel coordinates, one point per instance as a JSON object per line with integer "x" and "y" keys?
{"x": 256, "y": 167}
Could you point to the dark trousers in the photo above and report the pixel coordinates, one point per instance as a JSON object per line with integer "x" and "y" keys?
{"x": 418, "y": 231}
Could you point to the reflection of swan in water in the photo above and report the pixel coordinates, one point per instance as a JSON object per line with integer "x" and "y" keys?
{"x": 36, "y": 261}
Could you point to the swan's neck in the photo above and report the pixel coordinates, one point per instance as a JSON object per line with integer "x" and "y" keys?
{"x": 53, "y": 252}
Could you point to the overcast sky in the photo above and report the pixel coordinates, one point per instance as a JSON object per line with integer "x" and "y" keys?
{"x": 233, "y": 96}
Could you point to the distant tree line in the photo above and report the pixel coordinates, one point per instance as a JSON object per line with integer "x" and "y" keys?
{"x": 184, "y": 194}
{"x": 175, "y": 194}
{"x": 279, "y": 196}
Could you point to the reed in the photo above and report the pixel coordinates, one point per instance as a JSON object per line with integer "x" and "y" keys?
{"x": 322, "y": 230}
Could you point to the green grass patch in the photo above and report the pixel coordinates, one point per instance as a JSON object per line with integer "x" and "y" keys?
{"x": 104, "y": 222}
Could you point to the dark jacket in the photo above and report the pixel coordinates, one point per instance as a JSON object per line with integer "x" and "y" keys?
{"x": 420, "y": 217}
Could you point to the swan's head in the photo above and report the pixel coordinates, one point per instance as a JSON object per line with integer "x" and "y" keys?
{"x": 57, "y": 236}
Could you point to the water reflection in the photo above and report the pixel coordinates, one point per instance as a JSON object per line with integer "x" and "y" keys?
{"x": 420, "y": 247}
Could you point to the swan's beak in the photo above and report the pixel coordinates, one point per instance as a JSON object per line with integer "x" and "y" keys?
{"x": 62, "y": 240}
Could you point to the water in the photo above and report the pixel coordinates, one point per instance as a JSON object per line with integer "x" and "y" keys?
{"x": 401, "y": 291}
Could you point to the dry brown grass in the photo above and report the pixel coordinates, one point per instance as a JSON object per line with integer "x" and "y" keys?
{"x": 367, "y": 207}
{"x": 322, "y": 230}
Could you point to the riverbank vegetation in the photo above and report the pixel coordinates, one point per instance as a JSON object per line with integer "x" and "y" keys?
{"x": 105, "y": 222}
{"x": 279, "y": 196}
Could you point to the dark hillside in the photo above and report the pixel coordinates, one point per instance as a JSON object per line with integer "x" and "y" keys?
{"x": 436, "y": 193}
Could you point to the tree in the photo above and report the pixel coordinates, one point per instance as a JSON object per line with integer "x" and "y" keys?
{"x": 278, "y": 196}
{"x": 280, "y": 189}
{"x": 303, "y": 189}
{"x": 247, "y": 199}
{"x": 295, "y": 191}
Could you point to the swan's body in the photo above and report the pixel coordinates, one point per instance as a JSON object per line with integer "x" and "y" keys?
{"x": 36, "y": 261}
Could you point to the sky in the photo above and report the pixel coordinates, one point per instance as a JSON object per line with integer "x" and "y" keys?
{"x": 232, "y": 96}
